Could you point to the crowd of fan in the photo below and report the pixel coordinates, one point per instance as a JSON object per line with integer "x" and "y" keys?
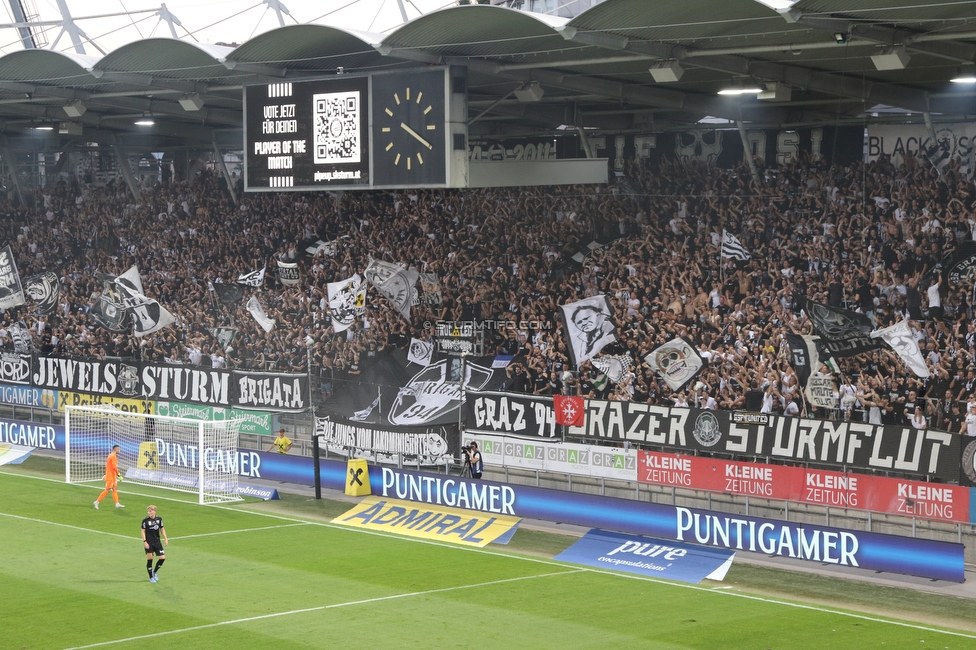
{"x": 871, "y": 238}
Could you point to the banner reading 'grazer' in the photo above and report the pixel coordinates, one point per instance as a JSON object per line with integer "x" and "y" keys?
{"x": 856, "y": 445}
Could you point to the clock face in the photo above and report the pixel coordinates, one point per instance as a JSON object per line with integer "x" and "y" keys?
{"x": 409, "y": 129}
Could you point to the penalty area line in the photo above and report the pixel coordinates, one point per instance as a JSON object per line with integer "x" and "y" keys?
{"x": 320, "y": 608}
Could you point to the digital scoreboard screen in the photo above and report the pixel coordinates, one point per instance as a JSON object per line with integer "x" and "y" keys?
{"x": 307, "y": 135}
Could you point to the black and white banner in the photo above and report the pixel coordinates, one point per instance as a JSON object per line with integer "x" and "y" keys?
{"x": 420, "y": 352}
{"x": 15, "y": 369}
{"x": 347, "y": 299}
{"x": 287, "y": 273}
{"x": 256, "y": 310}
{"x": 11, "y": 291}
{"x": 228, "y": 294}
{"x": 962, "y": 267}
{"x": 901, "y": 339}
{"x": 428, "y": 290}
{"x": 854, "y": 445}
{"x": 123, "y": 297}
{"x": 252, "y": 279}
{"x": 224, "y": 335}
{"x": 394, "y": 282}
{"x": 614, "y": 366}
{"x": 270, "y": 391}
{"x": 263, "y": 391}
{"x": 589, "y": 328}
{"x": 21, "y": 336}
{"x": 424, "y": 447}
{"x": 842, "y": 333}
{"x": 677, "y": 362}
{"x": 521, "y": 415}
{"x": 732, "y": 248}
{"x": 44, "y": 289}
{"x": 844, "y": 444}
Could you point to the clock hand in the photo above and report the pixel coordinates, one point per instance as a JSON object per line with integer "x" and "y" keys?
{"x": 416, "y": 135}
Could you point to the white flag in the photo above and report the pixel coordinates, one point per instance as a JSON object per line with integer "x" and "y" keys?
{"x": 360, "y": 416}
{"x": 287, "y": 273}
{"x": 589, "y": 327}
{"x": 732, "y": 247}
{"x": 614, "y": 366}
{"x": 394, "y": 282}
{"x": 253, "y": 306}
{"x": 421, "y": 352}
{"x": 147, "y": 314}
{"x": 677, "y": 361}
{"x": 347, "y": 299}
{"x": 899, "y": 336}
{"x": 252, "y": 279}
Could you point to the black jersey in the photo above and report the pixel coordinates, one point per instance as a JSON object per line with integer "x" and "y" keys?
{"x": 152, "y": 526}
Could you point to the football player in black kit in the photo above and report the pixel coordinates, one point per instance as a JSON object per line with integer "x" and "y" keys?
{"x": 152, "y": 527}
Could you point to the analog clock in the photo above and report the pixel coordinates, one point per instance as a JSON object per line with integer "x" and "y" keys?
{"x": 409, "y": 129}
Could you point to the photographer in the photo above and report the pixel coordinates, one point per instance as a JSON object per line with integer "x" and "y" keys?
{"x": 477, "y": 464}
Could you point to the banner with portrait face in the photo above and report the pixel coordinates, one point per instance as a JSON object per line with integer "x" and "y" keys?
{"x": 677, "y": 362}
{"x": 589, "y": 327}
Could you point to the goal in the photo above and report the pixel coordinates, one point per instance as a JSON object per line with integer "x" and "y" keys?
{"x": 194, "y": 456}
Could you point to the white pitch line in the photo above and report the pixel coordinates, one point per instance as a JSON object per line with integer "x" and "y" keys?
{"x": 55, "y": 523}
{"x": 320, "y": 608}
{"x": 722, "y": 591}
{"x": 103, "y": 532}
{"x": 241, "y": 530}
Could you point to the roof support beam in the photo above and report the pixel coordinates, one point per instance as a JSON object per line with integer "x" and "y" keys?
{"x": 832, "y": 84}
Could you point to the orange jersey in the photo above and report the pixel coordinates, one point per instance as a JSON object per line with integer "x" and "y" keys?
{"x": 111, "y": 470}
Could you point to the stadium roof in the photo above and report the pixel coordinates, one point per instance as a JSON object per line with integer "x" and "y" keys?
{"x": 622, "y": 66}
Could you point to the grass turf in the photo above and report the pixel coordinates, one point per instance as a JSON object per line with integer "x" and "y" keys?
{"x": 276, "y": 574}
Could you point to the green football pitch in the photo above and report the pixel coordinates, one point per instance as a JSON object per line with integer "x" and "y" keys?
{"x": 279, "y": 575}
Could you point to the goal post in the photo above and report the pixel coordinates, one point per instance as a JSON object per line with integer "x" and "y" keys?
{"x": 196, "y": 456}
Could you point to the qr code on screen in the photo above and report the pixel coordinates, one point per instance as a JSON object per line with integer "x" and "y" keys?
{"x": 337, "y": 119}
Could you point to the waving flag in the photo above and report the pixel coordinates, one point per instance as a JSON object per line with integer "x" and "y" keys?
{"x": 252, "y": 279}
{"x": 347, "y": 299}
{"x": 733, "y": 248}
{"x": 394, "y": 282}
{"x": 11, "y": 291}
{"x": 44, "y": 289}
{"x": 677, "y": 361}
{"x": 257, "y": 311}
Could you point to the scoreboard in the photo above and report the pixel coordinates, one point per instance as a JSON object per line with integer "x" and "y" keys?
{"x": 404, "y": 129}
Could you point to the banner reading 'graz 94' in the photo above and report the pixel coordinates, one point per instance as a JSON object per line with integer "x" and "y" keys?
{"x": 243, "y": 389}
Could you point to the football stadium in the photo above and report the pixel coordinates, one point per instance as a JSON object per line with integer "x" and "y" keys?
{"x": 494, "y": 323}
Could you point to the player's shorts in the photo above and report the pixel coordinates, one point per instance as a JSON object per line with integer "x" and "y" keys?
{"x": 156, "y": 549}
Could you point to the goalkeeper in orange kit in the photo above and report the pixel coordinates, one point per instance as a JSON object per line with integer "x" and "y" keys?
{"x": 112, "y": 478}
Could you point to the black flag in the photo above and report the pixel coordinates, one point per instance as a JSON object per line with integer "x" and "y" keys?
{"x": 842, "y": 333}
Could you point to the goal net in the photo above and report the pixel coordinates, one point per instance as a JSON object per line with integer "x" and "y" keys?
{"x": 176, "y": 453}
